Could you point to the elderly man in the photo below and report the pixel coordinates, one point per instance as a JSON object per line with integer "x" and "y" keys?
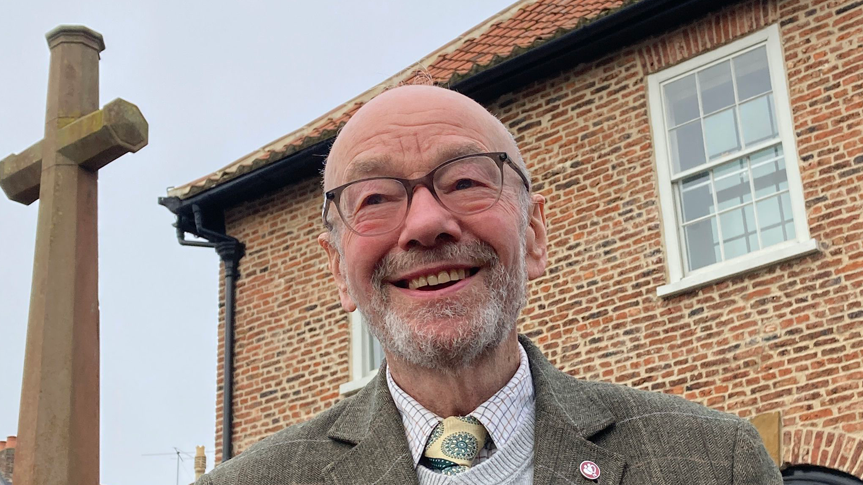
{"x": 432, "y": 232}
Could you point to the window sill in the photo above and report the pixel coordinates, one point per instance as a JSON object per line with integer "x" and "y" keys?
{"x": 739, "y": 266}
{"x": 355, "y": 385}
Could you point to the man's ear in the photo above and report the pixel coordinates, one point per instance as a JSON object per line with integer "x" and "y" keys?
{"x": 336, "y": 269}
{"x": 537, "y": 240}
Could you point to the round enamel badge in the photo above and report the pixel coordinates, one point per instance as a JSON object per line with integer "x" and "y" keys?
{"x": 589, "y": 470}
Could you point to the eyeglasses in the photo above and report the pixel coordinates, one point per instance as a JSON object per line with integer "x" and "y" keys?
{"x": 464, "y": 185}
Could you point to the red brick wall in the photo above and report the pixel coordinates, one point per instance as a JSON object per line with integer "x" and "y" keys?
{"x": 291, "y": 347}
{"x": 786, "y": 338}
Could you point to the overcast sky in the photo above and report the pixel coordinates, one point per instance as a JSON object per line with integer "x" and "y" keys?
{"x": 215, "y": 81}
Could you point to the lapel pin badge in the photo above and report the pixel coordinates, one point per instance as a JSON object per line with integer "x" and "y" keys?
{"x": 589, "y": 469}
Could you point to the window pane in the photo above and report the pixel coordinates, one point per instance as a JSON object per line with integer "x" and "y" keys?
{"x": 732, "y": 184}
{"x": 739, "y": 233}
{"x": 720, "y": 131}
{"x": 681, "y": 102}
{"x": 758, "y": 120}
{"x": 375, "y": 352}
{"x": 751, "y": 71}
{"x": 687, "y": 147}
{"x": 776, "y": 219}
{"x": 768, "y": 171}
{"x": 702, "y": 243}
{"x": 697, "y": 197}
{"x": 717, "y": 90}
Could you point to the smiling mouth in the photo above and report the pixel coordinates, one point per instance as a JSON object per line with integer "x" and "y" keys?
{"x": 438, "y": 280}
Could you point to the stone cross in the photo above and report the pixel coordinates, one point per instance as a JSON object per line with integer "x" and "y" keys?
{"x": 58, "y": 424}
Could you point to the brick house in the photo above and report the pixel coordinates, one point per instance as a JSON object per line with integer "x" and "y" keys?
{"x": 702, "y": 164}
{"x": 7, "y": 459}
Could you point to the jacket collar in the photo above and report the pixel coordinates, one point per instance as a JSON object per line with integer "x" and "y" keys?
{"x": 372, "y": 423}
{"x": 564, "y": 399}
{"x": 568, "y": 414}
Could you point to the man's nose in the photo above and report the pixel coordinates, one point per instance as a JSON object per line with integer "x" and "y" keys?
{"x": 428, "y": 222}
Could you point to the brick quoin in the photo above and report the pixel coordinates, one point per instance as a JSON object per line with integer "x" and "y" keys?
{"x": 786, "y": 338}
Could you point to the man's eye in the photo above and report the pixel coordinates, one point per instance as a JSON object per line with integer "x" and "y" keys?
{"x": 373, "y": 199}
{"x": 462, "y": 184}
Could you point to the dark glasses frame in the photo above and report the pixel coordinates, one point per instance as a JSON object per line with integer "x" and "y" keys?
{"x": 427, "y": 181}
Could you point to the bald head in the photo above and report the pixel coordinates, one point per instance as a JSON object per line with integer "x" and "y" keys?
{"x": 406, "y": 133}
{"x": 413, "y": 126}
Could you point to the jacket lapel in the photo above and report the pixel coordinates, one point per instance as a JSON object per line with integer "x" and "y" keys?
{"x": 567, "y": 415}
{"x": 372, "y": 423}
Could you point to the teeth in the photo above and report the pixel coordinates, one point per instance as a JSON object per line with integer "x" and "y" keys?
{"x": 438, "y": 279}
{"x": 442, "y": 277}
{"x": 417, "y": 283}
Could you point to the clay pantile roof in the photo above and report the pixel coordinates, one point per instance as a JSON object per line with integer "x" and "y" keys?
{"x": 512, "y": 32}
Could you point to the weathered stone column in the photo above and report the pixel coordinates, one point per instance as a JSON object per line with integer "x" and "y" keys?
{"x": 58, "y": 424}
{"x": 59, "y": 417}
{"x": 58, "y": 427}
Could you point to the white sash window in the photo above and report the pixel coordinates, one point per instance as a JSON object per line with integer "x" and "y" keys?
{"x": 366, "y": 355}
{"x": 730, "y": 188}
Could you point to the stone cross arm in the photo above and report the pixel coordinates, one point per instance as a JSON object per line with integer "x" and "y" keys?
{"x": 91, "y": 141}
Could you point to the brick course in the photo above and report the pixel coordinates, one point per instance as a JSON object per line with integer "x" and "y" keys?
{"x": 787, "y": 338}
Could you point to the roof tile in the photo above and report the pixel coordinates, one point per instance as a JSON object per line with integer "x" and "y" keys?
{"x": 525, "y": 24}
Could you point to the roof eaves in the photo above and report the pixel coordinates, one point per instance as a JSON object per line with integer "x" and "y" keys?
{"x": 264, "y": 158}
{"x": 281, "y": 147}
{"x": 468, "y": 80}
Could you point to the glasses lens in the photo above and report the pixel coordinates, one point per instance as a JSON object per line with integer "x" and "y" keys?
{"x": 469, "y": 185}
{"x": 374, "y": 206}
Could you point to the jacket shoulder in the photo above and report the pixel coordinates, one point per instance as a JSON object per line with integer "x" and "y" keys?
{"x": 287, "y": 455}
{"x": 627, "y": 403}
{"x": 668, "y": 436}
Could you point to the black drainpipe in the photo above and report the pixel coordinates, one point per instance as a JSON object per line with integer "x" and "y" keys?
{"x": 230, "y": 250}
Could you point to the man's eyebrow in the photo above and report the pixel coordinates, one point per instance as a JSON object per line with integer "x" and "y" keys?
{"x": 448, "y": 153}
{"x": 367, "y": 168}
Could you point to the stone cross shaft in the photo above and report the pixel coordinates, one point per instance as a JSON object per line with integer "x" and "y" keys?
{"x": 58, "y": 426}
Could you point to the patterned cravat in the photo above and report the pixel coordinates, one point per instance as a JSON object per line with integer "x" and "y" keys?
{"x": 453, "y": 445}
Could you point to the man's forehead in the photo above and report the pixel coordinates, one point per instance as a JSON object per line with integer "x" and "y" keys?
{"x": 436, "y": 123}
{"x": 385, "y": 164}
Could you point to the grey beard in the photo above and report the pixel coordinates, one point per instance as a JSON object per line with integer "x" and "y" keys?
{"x": 490, "y": 312}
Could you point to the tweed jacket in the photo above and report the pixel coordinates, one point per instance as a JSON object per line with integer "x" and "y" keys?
{"x": 635, "y": 437}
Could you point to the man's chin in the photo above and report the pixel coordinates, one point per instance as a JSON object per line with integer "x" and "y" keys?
{"x": 443, "y": 344}
{"x": 442, "y": 354}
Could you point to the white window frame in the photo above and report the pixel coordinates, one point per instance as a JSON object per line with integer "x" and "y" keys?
{"x": 361, "y": 373}
{"x": 802, "y": 244}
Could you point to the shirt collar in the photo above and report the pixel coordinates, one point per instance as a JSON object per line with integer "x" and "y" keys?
{"x": 500, "y": 414}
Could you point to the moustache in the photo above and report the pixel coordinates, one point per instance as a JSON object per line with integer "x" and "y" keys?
{"x": 476, "y": 253}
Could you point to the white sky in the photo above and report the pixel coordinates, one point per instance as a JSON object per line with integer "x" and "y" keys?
{"x": 215, "y": 81}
